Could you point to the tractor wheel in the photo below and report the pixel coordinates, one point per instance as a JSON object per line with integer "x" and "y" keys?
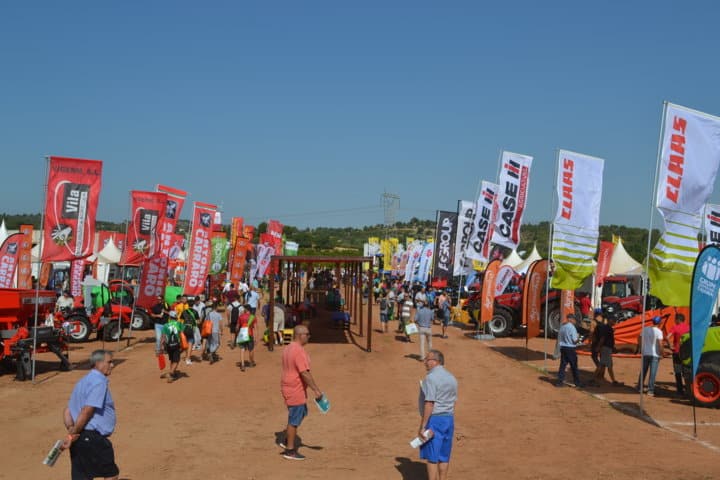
{"x": 706, "y": 387}
{"x": 140, "y": 320}
{"x": 112, "y": 331}
{"x": 80, "y": 328}
{"x": 553, "y": 320}
{"x": 501, "y": 324}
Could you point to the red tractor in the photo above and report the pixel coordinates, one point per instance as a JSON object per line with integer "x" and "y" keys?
{"x": 622, "y": 297}
{"x": 95, "y": 312}
{"x": 20, "y": 339}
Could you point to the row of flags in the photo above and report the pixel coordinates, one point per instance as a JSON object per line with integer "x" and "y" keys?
{"x": 150, "y": 241}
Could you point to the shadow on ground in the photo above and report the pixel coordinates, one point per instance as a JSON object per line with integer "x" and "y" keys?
{"x": 410, "y": 469}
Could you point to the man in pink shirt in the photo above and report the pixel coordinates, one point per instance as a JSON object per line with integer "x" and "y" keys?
{"x": 681, "y": 328}
{"x": 296, "y": 377}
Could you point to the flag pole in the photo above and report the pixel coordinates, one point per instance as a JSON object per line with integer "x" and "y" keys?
{"x": 646, "y": 283}
{"x": 550, "y": 263}
{"x": 40, "y": 250}
{"x": 122, "y": 275}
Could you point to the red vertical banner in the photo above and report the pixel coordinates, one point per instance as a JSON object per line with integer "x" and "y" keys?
{"x": 237, "y": 268}
{"x": 174, "y": 205}
{"x": 532, "y": 296}
{"x": 77, "y": 268}
{"x": 567, "y": 304}
{"x": 488, "y": 291}
{"x": 119, "y": 240}
{"x": 143, "y": 232}
{"x": 248, "y": 232}
{"x": 603, "y": 264}
{"x": 44, "y": 278}
{"x": 9, "y": 257}
{"x": 275, "y": 230}
{"x": 24, "y": 270}
{"x": 153, "y": 281}
{"x": 73, "y": 191}
{"x": 198, "y": 263}
{"x": 236, "y": 229}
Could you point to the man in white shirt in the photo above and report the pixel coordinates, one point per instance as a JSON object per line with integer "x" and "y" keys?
{"x": 64, "y": 302}
{"x": 651, "y": 341}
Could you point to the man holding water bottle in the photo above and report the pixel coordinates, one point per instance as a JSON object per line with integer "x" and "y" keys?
{"x": 295, "y": 379}
{"x": 438, "y": 394}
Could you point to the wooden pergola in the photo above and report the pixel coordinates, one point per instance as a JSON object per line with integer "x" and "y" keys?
{"x": 352, "y": 293}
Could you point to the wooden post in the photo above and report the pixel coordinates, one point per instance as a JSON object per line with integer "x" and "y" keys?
{"x": 369, "y": 310}
{"x": 271, "y": 313}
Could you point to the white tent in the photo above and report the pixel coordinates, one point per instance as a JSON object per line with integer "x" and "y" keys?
{"x": 513, "y": 260}
{"x": 622, "y": 263}
{"x": 3, "y": 232}
{"x": 525, "y": 264}
{"x": 109, "y": 254}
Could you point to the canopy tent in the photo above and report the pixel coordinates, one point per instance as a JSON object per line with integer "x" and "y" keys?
{"x": 3, "y": 232}
{"x": 513, "y": 260}
{"x": 525, "y": 264}
{"x": 109, "y": 254}
{"x": 622, "y": 263}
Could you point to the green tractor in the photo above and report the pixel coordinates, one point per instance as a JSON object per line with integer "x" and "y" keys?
{"x": 706, "y": 387}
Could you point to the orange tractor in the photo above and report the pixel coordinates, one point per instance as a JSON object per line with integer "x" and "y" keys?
{"x": 20, "y": 338}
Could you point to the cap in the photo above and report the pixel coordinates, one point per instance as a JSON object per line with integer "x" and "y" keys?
{"x": 656, "y": 320}
{"x": 598, "y": 311}
{"x": 570, "y": 316}
{"x": 173, "y": 314}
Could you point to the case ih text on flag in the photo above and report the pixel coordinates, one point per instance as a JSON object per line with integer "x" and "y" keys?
{"x": 513, "y": 184}
{"x": 478, "y": 247}
{"x": 689, "y": 160}
{"x": 73, "y": 190}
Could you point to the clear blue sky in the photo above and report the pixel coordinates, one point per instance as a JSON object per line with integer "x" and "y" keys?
{"x": 277, "y": 109}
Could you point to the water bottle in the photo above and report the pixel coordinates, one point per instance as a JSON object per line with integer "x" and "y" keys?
{"x": 53, "y": 454}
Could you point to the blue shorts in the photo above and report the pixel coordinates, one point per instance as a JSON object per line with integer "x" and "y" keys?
{"x": 296, "y": 413}
{"x": 439, "y": 447}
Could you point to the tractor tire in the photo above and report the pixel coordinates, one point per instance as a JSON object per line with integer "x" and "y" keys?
{"x": 706, "y": 387}
{"x": 112, "y": 331}
{"x": 501, "y": 324}
{"x": 84, "y": 328}
{"x": 141, "y": 320}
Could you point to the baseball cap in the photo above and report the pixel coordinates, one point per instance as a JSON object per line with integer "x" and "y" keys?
{"x": 598, "y": 311}
{"x": 173, "y": 314}
{"x": 656, "y": 320}
{"x": 571, "y": 315}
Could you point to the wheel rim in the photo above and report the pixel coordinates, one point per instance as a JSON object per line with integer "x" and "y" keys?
{"x": 707, "y": 387}
{"x": 138, "y": 322}
{"x": 498, "y": 324}
{"x": 81, "y": 332}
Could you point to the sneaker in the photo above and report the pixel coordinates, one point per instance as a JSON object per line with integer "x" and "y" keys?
{"x": 188, "y": 361}
{"x": 651, "y": 394}
{"x": 252, "y": 364}
{"x": 293, "y": 455}
{"x": 282, "y": 445}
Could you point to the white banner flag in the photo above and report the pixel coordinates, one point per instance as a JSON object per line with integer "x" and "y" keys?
{"x": 485, "y": 212}
{"x": 576, "y": 224}
{"x": 426, "y": 255}
{"x": 712, "y": 223}
{"x": 466, "y": 218}
{"x": 513, "y": 186}
{"x": 689, "y": 161}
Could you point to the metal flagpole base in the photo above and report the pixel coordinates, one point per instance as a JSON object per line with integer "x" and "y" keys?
{"x": 484, "y": 336}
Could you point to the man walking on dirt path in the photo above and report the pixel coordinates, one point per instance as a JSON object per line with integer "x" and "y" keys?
{"x": 567, "y": 340}
{"x": 424, "y": 318}
{"x": 650, "y": 339}
{"x": 171, "y": 343}
{"x": 438, "y": 394}
{"x": 90, "y": 420}
{"x": 295, "y": 379}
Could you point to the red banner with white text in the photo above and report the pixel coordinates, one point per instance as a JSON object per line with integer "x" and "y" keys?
{"x": 603, "y": 263}
{"x": 152, "y": 281}
{"x": 9, "y": 256}
{"x": 533, "y": 292}
{"x": 143, "y": 232}
{"x": 73, "y": 191}
{"x": 77, "y": 268}
{"x": 237, "y": 269}
{"x": 24, "y": 269}
{"x": 198, "y": 263}
{"x": 488, "y": 291}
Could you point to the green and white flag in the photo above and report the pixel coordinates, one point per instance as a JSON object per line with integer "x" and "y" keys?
{"x": 220, "y": 247}
{"x": 576, "y": 224}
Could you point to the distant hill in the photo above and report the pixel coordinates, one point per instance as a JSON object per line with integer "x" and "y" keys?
{"x": 349, "y": 240}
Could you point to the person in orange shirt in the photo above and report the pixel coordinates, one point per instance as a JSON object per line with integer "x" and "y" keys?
{"x": 295, "y": 379}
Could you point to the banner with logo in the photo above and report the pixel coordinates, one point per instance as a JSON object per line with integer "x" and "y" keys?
{"x": 24, "y": 269}
{"x": 413, "y": 259}
{"x": 290, "y": 249}
{"x": 73, "y": 190}
{"x": 689, "y": 160}
{"x": 77, "y": 269}
{"x": 488, "y": 292}
{"x": 198, "y": 263}
{"x": 153, "y": 281}
{"x": 712, "y": 223}
{"x": 504, "y": 275}
{"x": 425, "y": 262}
{"x": 9, "y": 259}
{"x": 533, "y": 292}
{"x": 445, "y": 231}
{"x": 275, "y": 230}
{"x": 239, "y": 259}
{"x": 603, "y": 263}
{"x": 265, "y": 251}
{"x": 705, "y": 286}
{"x": 464, "y": 230}
{"x": 249, "y": 232}
{"x": 486, "y": 209}
{"x": 567, "y": 304}
{"x": 577, "y": 221}
{"x": 173, "y": 208}
{"x": 513, "y": 185}
{"x": 143, "y": 230}
{"x": 219, "y": 257}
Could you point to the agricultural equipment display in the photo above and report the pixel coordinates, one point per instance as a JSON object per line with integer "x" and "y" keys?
{"x": 95, "y": 312}
{"x": 17, "y": 330}
{"x": 706, "y": 385}
{"x": 622, "y": 297}
{"x": 123, "y": 293}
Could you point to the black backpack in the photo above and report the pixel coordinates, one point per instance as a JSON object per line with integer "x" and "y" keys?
{"x": 173, "y": 340}
{"x": 234, "y": 315}
{"x": 383, "y": 304}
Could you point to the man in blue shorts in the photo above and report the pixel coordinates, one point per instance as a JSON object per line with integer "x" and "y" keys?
{"x": 438, "y": 394}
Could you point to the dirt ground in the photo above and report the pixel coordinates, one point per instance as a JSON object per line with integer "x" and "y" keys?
{"x": 217, "y": 422}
